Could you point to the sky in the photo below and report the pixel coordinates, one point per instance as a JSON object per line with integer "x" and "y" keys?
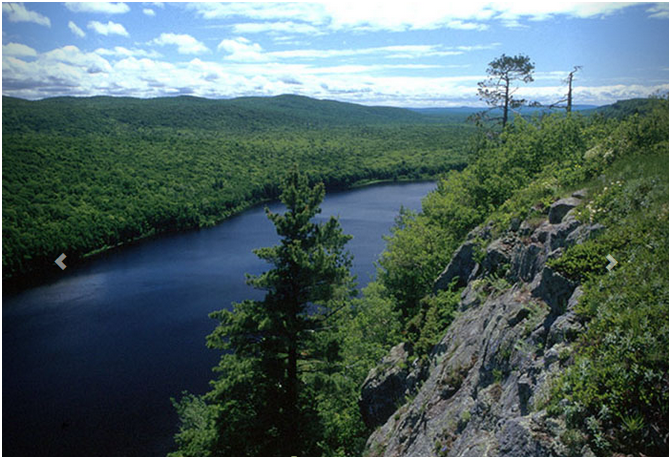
{"x": 391, "y": 53}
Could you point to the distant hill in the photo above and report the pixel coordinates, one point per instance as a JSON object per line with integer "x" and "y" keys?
{"x": 96, "y": 114}
{"x": 625, "y": 108}
{"x": 467, "y": 110}
{"x": 100, "y": 114}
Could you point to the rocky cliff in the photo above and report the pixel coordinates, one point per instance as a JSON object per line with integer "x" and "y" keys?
{"x": 481, "y": 390}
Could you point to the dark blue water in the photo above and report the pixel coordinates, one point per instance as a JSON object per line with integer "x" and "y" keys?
{"x": 91, "y": 361}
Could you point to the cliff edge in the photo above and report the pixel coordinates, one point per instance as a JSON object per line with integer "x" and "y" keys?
{"x": 481, "y": 390}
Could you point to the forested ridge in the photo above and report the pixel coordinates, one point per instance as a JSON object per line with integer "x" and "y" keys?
{"x": 84, "y": 174}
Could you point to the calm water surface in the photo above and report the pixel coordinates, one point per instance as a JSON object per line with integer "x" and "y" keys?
{"x": 91, "y": 360}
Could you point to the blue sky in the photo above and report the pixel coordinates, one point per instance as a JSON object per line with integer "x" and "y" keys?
{"x": 411, "y": 54}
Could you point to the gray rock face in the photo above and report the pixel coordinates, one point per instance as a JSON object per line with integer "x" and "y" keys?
{"x": 461, "y": 266}
{"x": 527, "y": 261}
{"x": 583, "y": 233}
{"x": 493, "y": 364}
{"x": 387, "y": 385}
{"x": 553, "y": 288}
{"x": 567, "y": 326}
{"x": 560, "y": 208}
{"x": 498, "y": 255}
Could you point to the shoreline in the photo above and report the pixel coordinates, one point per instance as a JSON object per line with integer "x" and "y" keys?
{"x": 40, "y": 277}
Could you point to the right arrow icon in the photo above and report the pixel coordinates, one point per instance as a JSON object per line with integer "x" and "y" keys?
{"x": 612, "y": 262}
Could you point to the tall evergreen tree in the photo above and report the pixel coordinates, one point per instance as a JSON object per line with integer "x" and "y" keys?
{"x": 258, "y": 405}
{"x": 498, "y": 91}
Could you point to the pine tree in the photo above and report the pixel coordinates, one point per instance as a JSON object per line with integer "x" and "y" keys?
{"x": 259, "y": 405}
{"x": 498, "y": 91}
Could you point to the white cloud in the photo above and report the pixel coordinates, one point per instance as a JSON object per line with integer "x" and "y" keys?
{"x": 460, "y": 25}
{"x": 511, "y": 14}
{"x": 288, "y": 27}
{"x": 186, "y": 44}
{"x": 136, "y": 72}
{"x": 76, "y": 30}
{"x": 394, "y": 52}
{"x": 18, "y": 50}
{"x": 659, "y": 11}
{"x": 89, "y": 61}
{"x": 16, "y": 12}
{"x": 379, "y": 15}
{"x": 120, "y": 51}
{"x": 269, "y": 11}
{"x": 241, "y": 49}
{"x": 98, "y": 7}
{"x": 149, "y": 12}
{"x": 110, "y": 28}
{"x": 477, "y": 47}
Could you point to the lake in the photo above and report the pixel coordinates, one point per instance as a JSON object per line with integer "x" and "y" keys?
{"x": 90, "y": 361}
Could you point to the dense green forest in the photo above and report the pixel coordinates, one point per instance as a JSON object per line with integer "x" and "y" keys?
{"x": 84, "y": 174}
{"x": 615, "y": 391}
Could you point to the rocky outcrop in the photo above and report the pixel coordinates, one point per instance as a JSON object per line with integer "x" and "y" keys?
{"x": 461, "y": 267}
{"x": 560, "y": 208}
{"x": 487, "y": 377}
{"x": 388, "y": 385}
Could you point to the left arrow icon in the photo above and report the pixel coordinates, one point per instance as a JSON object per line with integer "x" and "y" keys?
{"x": 59, "y": 262}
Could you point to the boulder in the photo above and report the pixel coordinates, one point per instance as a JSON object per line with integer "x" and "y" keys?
{"x": 542, "y": 233}
{"x": 525, "y": 229}
{"x": 560, "y": 208}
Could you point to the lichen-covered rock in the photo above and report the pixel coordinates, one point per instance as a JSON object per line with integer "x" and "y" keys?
{"x": 558, "y": 238}
{"x": 479, "y": 390}
{"x": 470, "y": 297}
{"x": 516, "y": 439}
